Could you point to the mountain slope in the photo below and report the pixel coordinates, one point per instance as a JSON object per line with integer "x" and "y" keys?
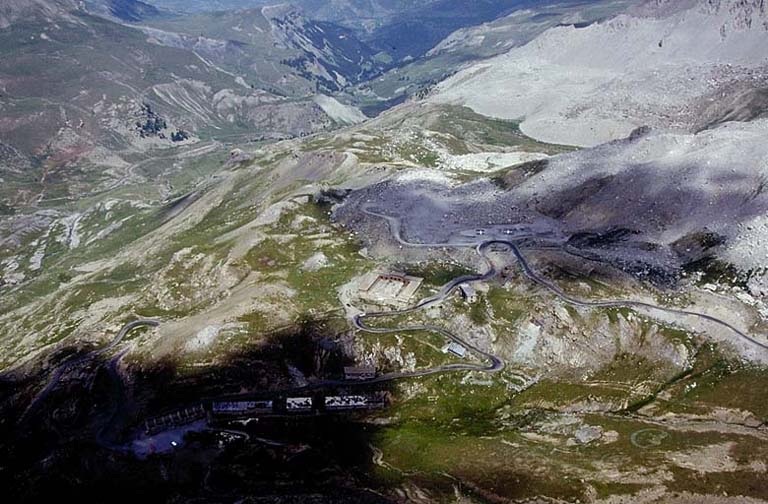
{"x": 613, "y": 347}
{"x": 415, "y": 32}
{"x": 278, "y": 47}
{"x": 588, "y": 85}
{"x": 82, "y": 97}
{"x": 402, "y": 29}
{"x": 474, "y": 43}
{"x": 130, "y": 11}
{"x": 330, "y": 53}
{"x": 13, "y": 10}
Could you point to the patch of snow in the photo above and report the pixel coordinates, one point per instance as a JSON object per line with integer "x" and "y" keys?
{"x": 36, "y": 261}
{"x": 111, "y": 228}
{"x": 71, "y": 237}
{"x": 426, "y": 176}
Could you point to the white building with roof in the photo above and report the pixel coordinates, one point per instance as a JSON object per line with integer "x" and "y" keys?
{"x": 456, "y": 349}
{"x": 468, "y": 293}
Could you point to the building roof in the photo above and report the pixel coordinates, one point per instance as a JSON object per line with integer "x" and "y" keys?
{"x": 456, "y": 349}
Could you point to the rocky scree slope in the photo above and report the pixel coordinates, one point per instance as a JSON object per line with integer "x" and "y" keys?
{"x": 658, "y": 65}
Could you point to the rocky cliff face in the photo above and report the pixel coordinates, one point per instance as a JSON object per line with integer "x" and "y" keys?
{"x": 736, "y": 15}
{"x": 327, "y": 53}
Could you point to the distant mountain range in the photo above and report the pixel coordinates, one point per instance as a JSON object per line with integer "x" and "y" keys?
{"x": 403, "y": 29}
{"x": 81, "y": 87}
{"x": 97, "y": 82}
{"x": 77, "y": 78}
{"x": 124, "y": 10}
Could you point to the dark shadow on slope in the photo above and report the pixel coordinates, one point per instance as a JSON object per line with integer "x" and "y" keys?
{"x": 653, "y": 222}
{"x": 646, "y": 207}
{"x": 648, "y": 200}
{"x": 746, "y": 104}
{"x": 59, "y": 452}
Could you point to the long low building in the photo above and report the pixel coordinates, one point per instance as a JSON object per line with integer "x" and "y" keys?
{"x": 358, "y": 401}
{"x": 297, "y": 404}
{"x": 174, "y": 419}
{"x": 241, "y": 407}
{"x": 455, "y": 349}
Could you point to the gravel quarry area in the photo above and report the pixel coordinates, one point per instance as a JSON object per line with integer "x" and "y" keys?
{"x": 435, "y": 209}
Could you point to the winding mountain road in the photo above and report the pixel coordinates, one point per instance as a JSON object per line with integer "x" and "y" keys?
{"x": 533, "y": 276}
{"x": 67, "y": 365}
{"x": 482, "y": 247}
{"x": 492, "y": 363}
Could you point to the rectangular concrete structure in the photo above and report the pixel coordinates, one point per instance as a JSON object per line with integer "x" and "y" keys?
{"x": 175, "y": 419}
{"x": 355, "y": 402}
{"x": 468, "y": 293}
{"x": 388, "y": 288}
